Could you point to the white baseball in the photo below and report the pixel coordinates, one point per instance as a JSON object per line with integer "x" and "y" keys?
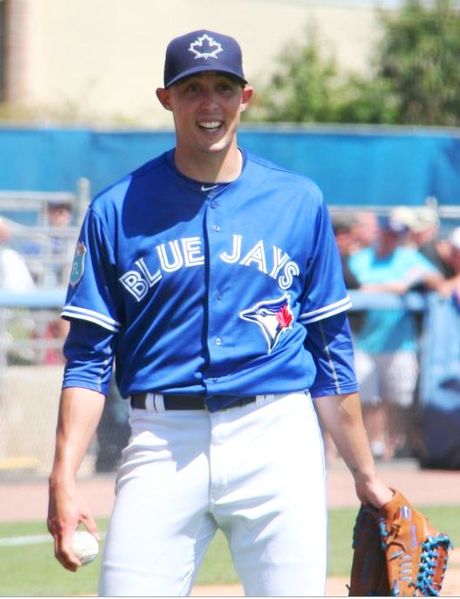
{"x": 85, "y": 546}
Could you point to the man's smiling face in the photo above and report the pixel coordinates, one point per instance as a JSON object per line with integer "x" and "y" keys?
{"x": 207, "y": 110}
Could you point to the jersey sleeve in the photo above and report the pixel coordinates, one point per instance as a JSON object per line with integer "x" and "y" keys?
{"x": 324, "y": 293}
{"x": 330, "y": 343}
{"x": 93, "y": 294}
{"x": 89, "y": 353}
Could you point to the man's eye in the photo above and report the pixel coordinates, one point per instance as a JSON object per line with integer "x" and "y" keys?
{"x": 225, "y": 88}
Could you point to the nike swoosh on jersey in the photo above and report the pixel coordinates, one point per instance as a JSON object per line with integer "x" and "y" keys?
{"x": 208, "y": 187}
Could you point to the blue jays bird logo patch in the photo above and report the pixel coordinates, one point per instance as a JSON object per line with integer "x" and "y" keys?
{"x": 274, "y": 317}
{"x": 78, "y": 265}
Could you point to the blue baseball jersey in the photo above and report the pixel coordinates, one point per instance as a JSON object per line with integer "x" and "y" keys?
{"x": 204, "y": 288}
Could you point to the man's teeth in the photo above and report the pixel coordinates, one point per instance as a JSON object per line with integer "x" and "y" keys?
{"x": 211, "y": 125}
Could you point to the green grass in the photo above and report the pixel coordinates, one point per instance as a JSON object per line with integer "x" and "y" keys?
{"x": 32, "y": 570}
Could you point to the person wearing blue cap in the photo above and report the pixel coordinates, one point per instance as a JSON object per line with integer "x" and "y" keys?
{"x": 211, "y": 277}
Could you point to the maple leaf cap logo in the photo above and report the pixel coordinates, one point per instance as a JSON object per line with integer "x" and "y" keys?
{"x": 205, "y": 47}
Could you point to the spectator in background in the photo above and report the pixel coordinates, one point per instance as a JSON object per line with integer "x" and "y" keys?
{"x": 386, "y": 345}
{"x": 364, "y": 230}
{"x": 345, "y": 226}
{"x": 59, "y": 217}
{"x": 406, "y": 216}
{"x": 343, "y": 230}
{"x": 425, "y": 235}
{"x": 353, "y": 231}
{"x": 14, "y": 273}
{"x": 50, "y": 249}
{"x": 59, "y": 253}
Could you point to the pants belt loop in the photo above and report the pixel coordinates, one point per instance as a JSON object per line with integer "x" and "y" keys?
{"x": 149, "y": 402}
{"x": 158, "y": 402}
{"x": 260, "y": 399}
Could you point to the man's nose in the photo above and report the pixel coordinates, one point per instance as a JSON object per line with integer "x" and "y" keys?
{"x": 208, "y": 97}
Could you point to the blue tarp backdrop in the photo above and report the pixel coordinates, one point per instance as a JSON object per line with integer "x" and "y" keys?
{"x": 358, "y": 165}
{"x": 440, "y": 382}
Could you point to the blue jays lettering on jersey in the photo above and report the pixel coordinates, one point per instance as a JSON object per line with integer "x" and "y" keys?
{"x": 208, "y": 302}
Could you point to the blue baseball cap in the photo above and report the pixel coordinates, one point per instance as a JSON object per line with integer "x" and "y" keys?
{"x": 200, "y": 51}
{"x": 391, "y": 224}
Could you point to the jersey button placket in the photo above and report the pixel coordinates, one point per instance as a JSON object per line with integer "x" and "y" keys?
{"x": 216, "y": 341}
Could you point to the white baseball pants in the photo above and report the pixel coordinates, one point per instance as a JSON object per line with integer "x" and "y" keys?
{"x": 256, "y": 471}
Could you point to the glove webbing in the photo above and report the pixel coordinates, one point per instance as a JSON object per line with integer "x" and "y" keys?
{"x": 429, "y": 555}
{"x": 428, "y": 562}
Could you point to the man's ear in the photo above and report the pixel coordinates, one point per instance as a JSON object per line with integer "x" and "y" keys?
{"x": 246, "y": 97}
{"x": 163, "y": 97}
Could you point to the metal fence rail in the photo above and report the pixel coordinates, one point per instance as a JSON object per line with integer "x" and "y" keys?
{"x": 15, "y": 202}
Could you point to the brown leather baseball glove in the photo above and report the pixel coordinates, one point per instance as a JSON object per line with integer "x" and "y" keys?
{"x": 396, "y": 552}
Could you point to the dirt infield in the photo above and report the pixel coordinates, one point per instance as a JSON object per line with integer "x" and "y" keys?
{"x": 337, "y": 587}
{"x": 27, "y": 500}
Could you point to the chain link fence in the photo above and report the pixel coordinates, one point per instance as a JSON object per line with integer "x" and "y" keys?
{"x": 31, "y": 369}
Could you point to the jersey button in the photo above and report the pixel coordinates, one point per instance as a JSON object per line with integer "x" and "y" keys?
{"x": 216, "y": 227}
{"x": 214, "y": 204}
{"x": 218, "y": 341}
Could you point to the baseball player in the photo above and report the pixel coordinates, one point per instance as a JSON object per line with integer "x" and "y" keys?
{"x": 212, "y": 279}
